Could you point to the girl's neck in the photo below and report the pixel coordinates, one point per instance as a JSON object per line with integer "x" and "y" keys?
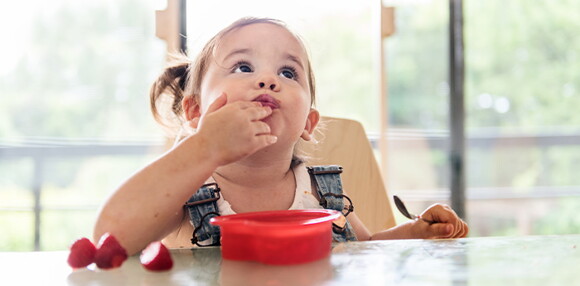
{"x": 255, "y": 174}
{"x": 257, "y": 187}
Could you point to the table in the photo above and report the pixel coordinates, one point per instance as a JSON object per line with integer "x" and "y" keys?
{"x": 526, "y": 260}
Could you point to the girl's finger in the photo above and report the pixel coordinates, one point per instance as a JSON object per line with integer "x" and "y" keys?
{"x": 457, "y": 228}
{"x": 266, "y": 140}
{"x": 261, "y": 128}
{"x": 464, "y": 229}
{"x": 441, "y": 230}
{"x": 259, "y": 112}
{"x": 247, "y": 104}
{"x": 218, "y": 103}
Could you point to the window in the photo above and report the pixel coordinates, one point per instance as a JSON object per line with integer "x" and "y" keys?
{"x": 75, "y": 122}
{"x": 521, "y": 89}
{"x": 74, "y": 119}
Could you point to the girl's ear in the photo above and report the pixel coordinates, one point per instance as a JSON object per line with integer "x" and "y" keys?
{"x": 190, "y": 109}
{"x": 311, "y": 122}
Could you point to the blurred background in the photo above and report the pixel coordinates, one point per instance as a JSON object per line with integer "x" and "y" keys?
{"x": 75, "y": 120}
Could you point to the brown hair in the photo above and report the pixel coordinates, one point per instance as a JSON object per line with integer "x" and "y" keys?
{"x": 182, "y": 78}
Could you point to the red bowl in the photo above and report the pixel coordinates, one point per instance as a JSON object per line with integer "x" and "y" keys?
{"x": 277, "y": 237}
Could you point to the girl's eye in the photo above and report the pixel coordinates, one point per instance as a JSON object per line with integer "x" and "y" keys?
{"x": 289, "y": 72}
{"x": 242, "y": 67}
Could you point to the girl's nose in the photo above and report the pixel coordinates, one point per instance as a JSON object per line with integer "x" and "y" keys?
{"x": 269, "y": 82}
{"x": 272, "y": 85}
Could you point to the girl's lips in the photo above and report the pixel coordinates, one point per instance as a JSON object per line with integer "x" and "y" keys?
{"x": 267, "y": 100}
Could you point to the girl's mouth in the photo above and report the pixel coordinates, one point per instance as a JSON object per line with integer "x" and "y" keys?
{"x": 267, "y": 100}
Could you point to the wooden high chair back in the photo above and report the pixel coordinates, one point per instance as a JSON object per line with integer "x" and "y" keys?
{"x": 345, "y": 143}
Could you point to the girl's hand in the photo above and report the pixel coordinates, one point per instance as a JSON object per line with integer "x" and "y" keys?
{"x": 446, "y": 223}
{"x": 233, "y": 131}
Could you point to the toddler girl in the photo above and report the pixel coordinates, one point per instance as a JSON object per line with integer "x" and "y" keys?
{"x": 249, "y": 96}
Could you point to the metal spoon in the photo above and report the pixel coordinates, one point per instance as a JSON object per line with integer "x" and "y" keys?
{"x": 403, "y": 209}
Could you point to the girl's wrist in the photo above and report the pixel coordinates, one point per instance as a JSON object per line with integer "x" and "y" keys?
{"x": 194, "y": 153}
{"x": 405, "y": 230}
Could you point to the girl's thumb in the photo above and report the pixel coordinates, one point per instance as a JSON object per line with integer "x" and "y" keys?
{"x": 442, "y": 229}
{"x": 218, "y": 103}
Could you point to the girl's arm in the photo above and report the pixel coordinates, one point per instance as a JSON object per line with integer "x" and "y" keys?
{"x": 448, "y": 225}
{"x": 148, "y": 206}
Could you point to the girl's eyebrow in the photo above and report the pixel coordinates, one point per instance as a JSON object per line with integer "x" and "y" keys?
{"x": 290, "y": 57}
{"x": 237, "y": 52}
{"x": 296, "y": 60}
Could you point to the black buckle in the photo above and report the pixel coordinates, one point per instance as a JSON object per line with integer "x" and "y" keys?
{"x": 216, "y": 191}
{"x": 346, "y": 210}
{"x": 194, "y": 239}
{"x": 216, "y": 197}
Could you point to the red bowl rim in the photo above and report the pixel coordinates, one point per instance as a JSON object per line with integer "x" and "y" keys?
{"x": 248, "y": 219}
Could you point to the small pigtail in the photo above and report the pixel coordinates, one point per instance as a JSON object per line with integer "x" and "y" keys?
{"x": 167, "y": 93}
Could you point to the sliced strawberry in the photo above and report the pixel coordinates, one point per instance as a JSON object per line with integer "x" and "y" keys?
{"x": 82, "y": 253}
{"x": 156, "y": 257}
{"x": 110, "y": 254}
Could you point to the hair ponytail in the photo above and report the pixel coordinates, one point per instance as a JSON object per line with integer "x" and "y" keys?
{"x": 167, "y": 93}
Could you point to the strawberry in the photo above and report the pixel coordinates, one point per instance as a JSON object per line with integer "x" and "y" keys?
{"x": 156, "y": 257}
{"x": 82, "y": 253}
{"x": 110, "y": 254}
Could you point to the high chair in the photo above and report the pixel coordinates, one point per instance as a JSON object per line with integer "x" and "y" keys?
{"x": 344, "y": 142}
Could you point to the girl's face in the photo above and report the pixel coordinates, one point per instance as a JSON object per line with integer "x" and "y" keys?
{"x": 266, "y": 63}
